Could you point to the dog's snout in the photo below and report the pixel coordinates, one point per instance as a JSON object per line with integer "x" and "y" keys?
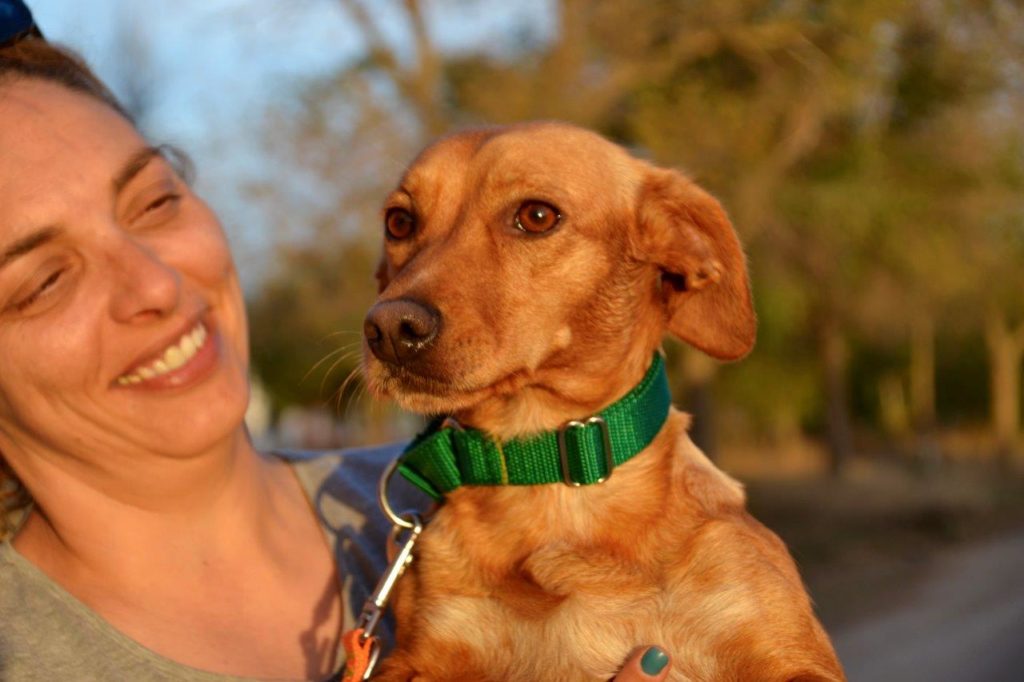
{"x": 397, "y": 331}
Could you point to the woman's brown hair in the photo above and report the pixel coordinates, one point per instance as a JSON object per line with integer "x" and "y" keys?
{"x": 33, "y": 57}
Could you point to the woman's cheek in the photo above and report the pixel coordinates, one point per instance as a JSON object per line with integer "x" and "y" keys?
{"x": 201, "y": 248}
{"x": 44, "y": 356}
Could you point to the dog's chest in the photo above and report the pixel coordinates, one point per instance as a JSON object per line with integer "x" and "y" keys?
{"x": 564, "y": 612}
{"x": 527, "y": 633}
{"x": 585, "y": 636}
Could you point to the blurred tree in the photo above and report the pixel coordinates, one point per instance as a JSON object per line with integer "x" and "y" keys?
{"x": 994, "y": 247}
{"x": 848, "y": 139}
{"x": 954, "y": 156}
{"x": 999, "y": 248}
{"x": 876, "y": 214}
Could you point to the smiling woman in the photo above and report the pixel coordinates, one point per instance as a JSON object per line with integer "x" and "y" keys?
{"x": 103, "y": 278}
{"x": 144, "y": 538}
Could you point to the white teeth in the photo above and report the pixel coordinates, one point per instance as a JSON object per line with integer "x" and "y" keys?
{"x": 188, "y": 345}
{"x": 173, "y": 358}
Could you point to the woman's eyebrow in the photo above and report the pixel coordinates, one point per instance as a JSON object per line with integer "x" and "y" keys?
{"x": 132, "y": 167}
{"x": 136, "y": 162}
{"x": 27, "y": 243}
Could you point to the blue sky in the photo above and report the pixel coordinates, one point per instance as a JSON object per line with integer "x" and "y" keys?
{"x": 215, "y": 68}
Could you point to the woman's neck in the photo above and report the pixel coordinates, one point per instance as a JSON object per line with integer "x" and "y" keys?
{"x": 226, "y": 533}
{"x": 151, "y": 513}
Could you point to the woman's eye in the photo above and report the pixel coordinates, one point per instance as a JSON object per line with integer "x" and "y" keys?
{"x": 399, "y": 223}
{"x": 40, "y": 290}
{"x": 167, "y": 198}
{"x": 164, "y": 201}
{"x": 537, "y": 217}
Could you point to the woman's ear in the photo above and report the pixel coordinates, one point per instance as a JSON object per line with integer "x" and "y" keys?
{"x": 705, "y": 289}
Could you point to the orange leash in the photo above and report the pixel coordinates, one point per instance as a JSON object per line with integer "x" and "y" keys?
{"x": 358, "y": 652}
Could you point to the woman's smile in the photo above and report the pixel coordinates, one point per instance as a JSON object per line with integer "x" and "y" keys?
{"x": 186, "y": 360}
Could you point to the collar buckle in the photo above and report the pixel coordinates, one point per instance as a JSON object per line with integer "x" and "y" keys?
{"x": 606, "y": 446}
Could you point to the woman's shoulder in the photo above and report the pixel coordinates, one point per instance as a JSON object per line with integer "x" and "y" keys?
{"x": 341, "y": 487}
{"x": 27, "y": 599}
{"x": 342, "y": 484}
{"x": 49, "y": 635}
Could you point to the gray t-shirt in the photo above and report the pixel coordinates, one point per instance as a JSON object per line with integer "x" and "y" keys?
{"x": 47, "y": 634}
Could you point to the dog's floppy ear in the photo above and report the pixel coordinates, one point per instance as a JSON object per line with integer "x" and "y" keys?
{"x": 684, "y": 231}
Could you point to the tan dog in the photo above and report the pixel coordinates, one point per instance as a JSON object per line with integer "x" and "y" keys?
{"x": 529, "y": 275}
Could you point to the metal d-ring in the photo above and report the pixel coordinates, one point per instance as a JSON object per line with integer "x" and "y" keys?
{"x": 401, "y": 521}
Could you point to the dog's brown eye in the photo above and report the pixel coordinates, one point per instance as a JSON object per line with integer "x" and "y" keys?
{"x": 536, "y": 216}
{"x": 399, "y": 223}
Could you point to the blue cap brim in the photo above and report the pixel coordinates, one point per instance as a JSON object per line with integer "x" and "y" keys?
{"x": 15, "y": 21}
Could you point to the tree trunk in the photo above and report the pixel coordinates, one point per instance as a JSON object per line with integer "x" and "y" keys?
{"x": 928, "y": 450}
{"x": 922, "y": 373}
{"x": 892, "y": 402}
{"x": 699, "y": 372}
{"x": 1006, "y": 352}
{"x": 835, "y": 360}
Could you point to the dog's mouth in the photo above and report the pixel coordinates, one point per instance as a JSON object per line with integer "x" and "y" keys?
{"x": 427, "y": 393}
{"x": 400, "y": 380}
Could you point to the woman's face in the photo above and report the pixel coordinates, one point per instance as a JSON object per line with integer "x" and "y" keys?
{"x": 122, "y": 327}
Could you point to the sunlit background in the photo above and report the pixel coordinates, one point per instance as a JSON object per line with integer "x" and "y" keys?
{"x": 869, "y": 153}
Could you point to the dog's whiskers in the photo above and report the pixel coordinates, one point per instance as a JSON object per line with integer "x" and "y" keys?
{"x": 340, "y": 393}
{"x": 349, "y": 347}
{"x": 342, "y": 332}
{"x": 335, "y": 364}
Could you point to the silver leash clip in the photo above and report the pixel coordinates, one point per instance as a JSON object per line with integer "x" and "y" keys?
{"x": 376, "y": 603}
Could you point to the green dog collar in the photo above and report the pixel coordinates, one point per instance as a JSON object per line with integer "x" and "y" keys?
{"x": 581, "y": 452}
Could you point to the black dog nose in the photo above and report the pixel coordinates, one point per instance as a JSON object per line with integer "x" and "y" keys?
{"x": 398, "y": 330}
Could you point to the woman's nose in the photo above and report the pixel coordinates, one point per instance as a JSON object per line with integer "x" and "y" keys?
{"x": 144, "y": 286}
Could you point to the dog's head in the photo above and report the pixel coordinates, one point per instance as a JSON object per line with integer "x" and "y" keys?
{"x": 514, "y": 256}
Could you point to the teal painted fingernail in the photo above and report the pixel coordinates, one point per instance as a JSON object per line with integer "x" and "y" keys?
{"x": 653, "y": 661}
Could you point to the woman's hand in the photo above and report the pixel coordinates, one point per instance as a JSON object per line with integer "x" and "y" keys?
{"x": 644, "y": 665}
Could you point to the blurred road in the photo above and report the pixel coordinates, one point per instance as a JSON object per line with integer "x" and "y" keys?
{"x": 962, "y": 621}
